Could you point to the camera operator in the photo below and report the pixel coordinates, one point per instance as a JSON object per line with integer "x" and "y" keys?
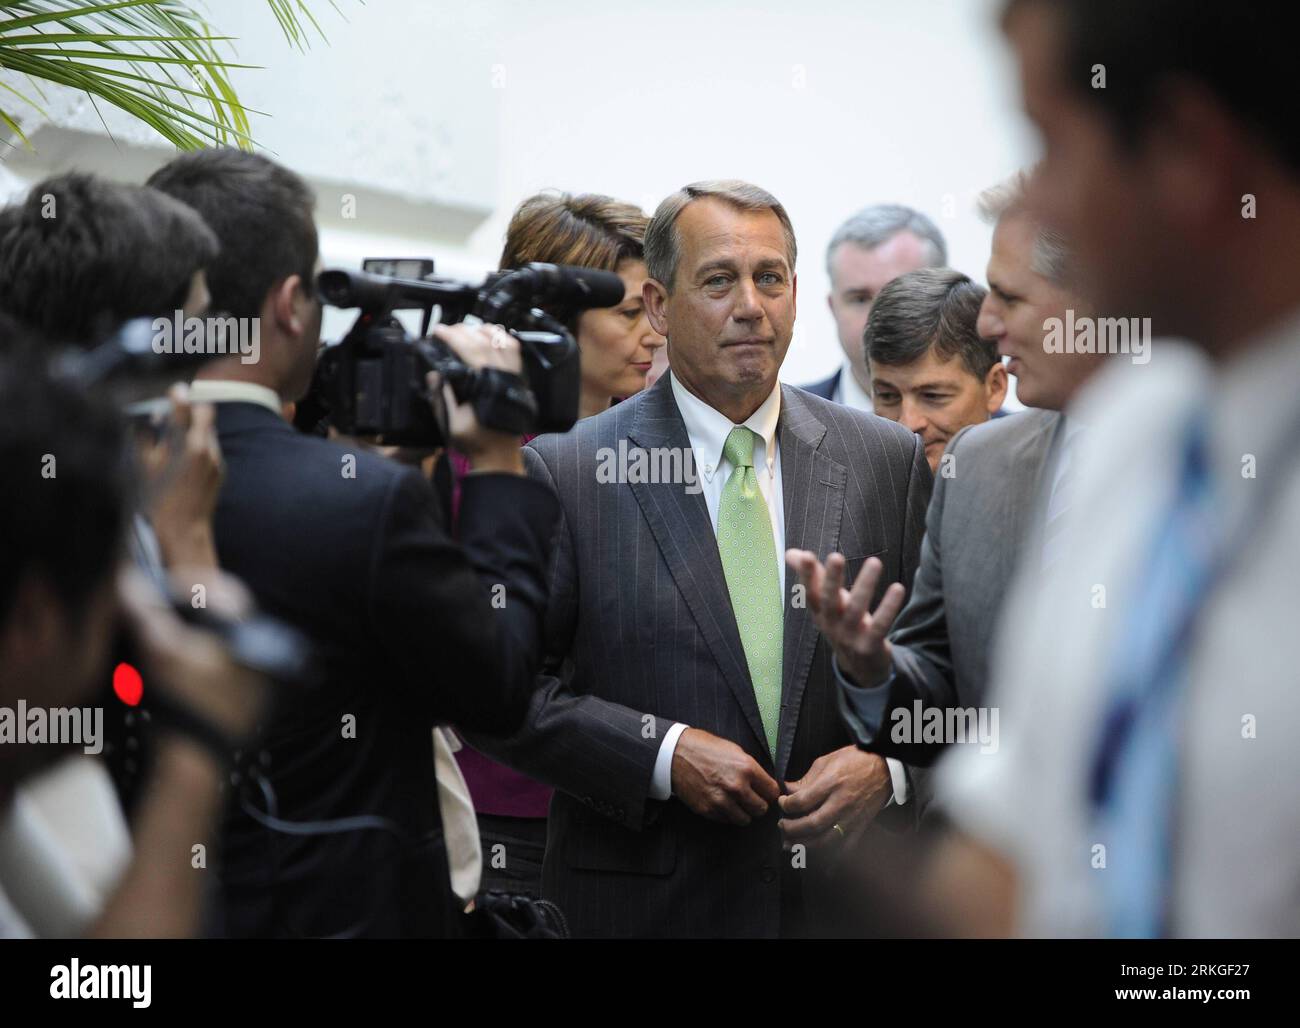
{"x": 349, "y": 547}
{"x": 62, "y": 600}
{"x": 78, "y": 257}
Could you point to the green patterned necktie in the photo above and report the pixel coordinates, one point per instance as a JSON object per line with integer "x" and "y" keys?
{"x": 748, "y": 550}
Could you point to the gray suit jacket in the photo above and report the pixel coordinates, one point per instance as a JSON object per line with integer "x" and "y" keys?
{"x": 641, "y": 635}
{"x": 980, "y": 521}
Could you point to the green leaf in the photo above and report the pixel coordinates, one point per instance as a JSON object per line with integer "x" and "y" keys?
{"x": 128, "y": 53}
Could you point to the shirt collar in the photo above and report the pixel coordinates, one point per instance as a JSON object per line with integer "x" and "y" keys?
{"x": 708, "y": 429}
{"x": 852, "y": 394}
{"x": 210, "y": 390}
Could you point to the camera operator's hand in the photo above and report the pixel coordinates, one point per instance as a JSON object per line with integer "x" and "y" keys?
{"x": 185, "y": 471}
{"x": 160, "y": 896}
{"x": 480, "y": 346}
{"x": 189, "y": 664}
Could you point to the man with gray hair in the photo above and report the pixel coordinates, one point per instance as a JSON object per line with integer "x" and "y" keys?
{"x": 1029, "y": 276}
{"x": 687, "y": 713}
{"x": 865, "y": 254}
{"x": 1002, "y": 490}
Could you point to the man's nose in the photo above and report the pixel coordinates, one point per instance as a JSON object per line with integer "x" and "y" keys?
{"x": 911, "y": 417}
{"x": 747, "y": 307}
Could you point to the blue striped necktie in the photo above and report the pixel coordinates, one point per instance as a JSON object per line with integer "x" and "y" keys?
{"x": 1135, "y": 765}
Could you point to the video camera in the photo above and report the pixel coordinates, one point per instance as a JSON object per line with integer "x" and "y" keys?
{"x": 372, "y": 382}
{"x": 134, "y": 712}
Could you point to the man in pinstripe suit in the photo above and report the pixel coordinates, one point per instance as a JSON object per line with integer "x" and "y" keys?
{"x": 688, "y": 711}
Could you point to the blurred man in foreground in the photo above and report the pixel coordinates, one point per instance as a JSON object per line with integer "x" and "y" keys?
{"x": 1146, "y": 781}
{"x": 64, "y": 598}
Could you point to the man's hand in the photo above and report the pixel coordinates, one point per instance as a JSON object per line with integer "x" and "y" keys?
{"x": 717, "y": 779}
{"x": 847, "y": 788}
{"x": 160, "y": 896}
{"x": 480, "y": 346}
{"x": 858, "y": 637}
{"x": 188, "y": 663}
{"x": 185, "y": 471}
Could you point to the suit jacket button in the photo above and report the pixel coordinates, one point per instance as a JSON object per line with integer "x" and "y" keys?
{"x": 768, "y": 875}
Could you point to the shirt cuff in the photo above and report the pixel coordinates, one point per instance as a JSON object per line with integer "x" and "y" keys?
{"x": 661, "y": 781}
{"x": 863, "y": 708}
{"x": 898, "y": 776}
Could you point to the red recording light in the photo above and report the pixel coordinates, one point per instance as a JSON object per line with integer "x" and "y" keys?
{"x": 127, "y": 684}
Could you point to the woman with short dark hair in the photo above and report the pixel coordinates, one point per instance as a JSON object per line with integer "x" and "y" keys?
{"x": 617, "y": 346}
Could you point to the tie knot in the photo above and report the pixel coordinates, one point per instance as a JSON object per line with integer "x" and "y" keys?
{"x": 739, "y": 447}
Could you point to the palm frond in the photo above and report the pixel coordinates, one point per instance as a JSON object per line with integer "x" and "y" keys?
{"x": 158, "y": 60}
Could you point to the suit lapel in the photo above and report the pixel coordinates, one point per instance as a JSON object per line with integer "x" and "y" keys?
{"x": 813, "y": 485}
{"x": 1030, "y": 457}
{"x": 679, "y": 522}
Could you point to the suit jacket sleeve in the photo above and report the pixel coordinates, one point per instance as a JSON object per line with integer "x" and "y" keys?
{"x": 920, "y": 483}
{"x": 463, "y": 622}
{"x": 601, "y": 753}
{"x": 922, "y": 655}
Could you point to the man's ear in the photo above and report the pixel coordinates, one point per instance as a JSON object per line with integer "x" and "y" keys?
{"x": 655, "y": 298}
{"x": 996, "y": 384}
{"x": 286, "y": 306}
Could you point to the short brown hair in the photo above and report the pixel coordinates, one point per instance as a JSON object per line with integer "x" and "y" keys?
{"x": 79, "y": 255}
{"x": 929, "y": 308}
{"x": 663, "y": 248}
{"x": 261, "y": 212}
{"x": 589, "y": 231}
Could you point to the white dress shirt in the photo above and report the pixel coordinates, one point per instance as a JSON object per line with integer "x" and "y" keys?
{"x": 1234, "y": 861}
{"x": 707, "y": 430}
{"x": 211, "y": 390}
{"x": 849, "y": 393}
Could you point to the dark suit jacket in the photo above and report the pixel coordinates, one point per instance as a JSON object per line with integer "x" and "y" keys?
{"x": 641, "y": 634}
{"x": 826, "y": 387}
{"x": 980, "y": 522}
{"x": 409, "y": 636}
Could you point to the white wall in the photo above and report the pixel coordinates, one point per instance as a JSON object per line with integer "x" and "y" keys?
{"x": 438, "y": 118}
{"x": 830, "y": 105}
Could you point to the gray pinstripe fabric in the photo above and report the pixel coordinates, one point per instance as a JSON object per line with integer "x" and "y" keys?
{"x": 640, "y": 634}
{"x": 980, "y": 522}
